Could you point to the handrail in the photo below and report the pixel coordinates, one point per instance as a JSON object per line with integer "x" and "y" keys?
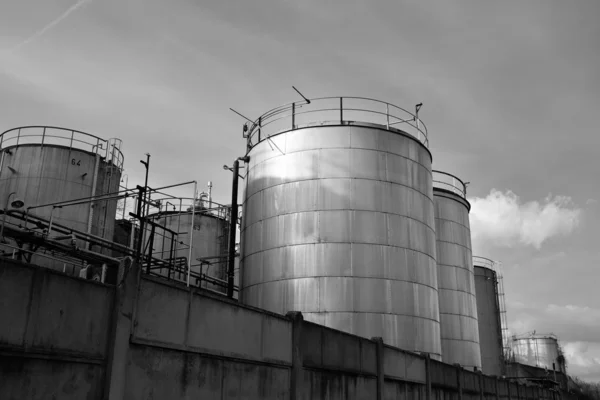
{"x": 484, "y": 262}
{"x": 446, "y": 181}
{"x": 109, "y": 149}
{"x": 216, "y": 209}
{"x": 291, "y": 116}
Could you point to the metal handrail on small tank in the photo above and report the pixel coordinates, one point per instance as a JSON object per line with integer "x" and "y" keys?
{"x": 300, "y": 114}
{"x": 446, "y": 181}
{"x": 484, "y": 262}
{"x": 109, "y": 149}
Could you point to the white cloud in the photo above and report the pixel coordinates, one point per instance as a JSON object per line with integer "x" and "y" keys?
{"x": 501, "y": 219}
{"x": 583, "y": 360}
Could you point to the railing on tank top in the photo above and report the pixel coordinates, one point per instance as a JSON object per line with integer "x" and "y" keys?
{"x": 335, "y": 111}
{"x": 109, "y": 149}
{"x": 446, "y": 181}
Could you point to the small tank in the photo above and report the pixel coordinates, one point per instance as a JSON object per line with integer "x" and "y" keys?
{"x": 206, "y": 241}
{"x": 538, "y": 350}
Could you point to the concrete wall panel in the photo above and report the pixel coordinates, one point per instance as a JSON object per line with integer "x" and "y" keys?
{"x": 231, "y": 330}
{"x": 161, "y": 313}
{"x": 49, "y": 311}
{"x": 36, "y": 379}
{"x": 336, "y": 386}
{"x": 331, "y": 349}
{"x": 169, "y": 374}
{"x": 15, "y": 288}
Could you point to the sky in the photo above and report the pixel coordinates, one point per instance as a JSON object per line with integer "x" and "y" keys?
{"x": 511, "y": 92}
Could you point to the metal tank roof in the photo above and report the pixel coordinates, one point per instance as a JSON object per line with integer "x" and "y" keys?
{"x": 338, "y": 220}
{"x": 456, "y": 285}
{"x": 41, "y": 135}
{"x": 335, "y": 111}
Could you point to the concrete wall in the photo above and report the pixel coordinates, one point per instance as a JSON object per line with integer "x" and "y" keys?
{"x": 148, "y": 338}
{"x": 54, "y": 333}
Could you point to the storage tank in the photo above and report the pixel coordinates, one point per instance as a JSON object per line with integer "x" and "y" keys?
{"x": 338, "y": 220}
{"x": 456, "y": 280}
{"x": 209, "y": 243}
{"x": 44, "y": 164}
{"x": 488, "y": 316}
{"x": 538, "y": 350}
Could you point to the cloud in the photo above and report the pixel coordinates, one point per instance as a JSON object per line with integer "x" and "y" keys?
{"x": 49, "y": 26}
{"x": 583, "y": 360}
{"x": 502, "y": 220}
{"x": 577, "y": 328}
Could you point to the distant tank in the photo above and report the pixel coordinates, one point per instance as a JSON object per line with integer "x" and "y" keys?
{"x": 43, "y": 165}
{"x": 538, "y": 350}
{"x": 488, "y": 315}
{"x": 456, "y": 280}
{"x": 338, "y": 220}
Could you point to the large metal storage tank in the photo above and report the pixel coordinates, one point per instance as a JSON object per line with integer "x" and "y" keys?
{"x": 456, "y": 280}
{"x": 338, "y": 220}
{"x": 541, "y": 351}
{"x": 45, "y": 164}
{"x": 488, "y": 316}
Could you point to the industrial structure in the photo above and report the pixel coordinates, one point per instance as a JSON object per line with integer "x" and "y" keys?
{"x": 538, "y": 350}
{"x": 456, "y": 281}
{"x": 346, "y": 232}
{"x": 489, "y": 316}
{"x": 339, "y": 221}
{"x": 56, "y": 172}
{"x": 205, "y": 241}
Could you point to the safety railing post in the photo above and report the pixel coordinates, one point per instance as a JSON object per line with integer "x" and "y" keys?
{"x": 293, "y": 116}
{"x": 259, "y": 128}
{"x": 341, "y": 110}
{"x": 387, "y": 115}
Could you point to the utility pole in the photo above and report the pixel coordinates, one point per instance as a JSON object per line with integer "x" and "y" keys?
{"x": 233, "y": 224}
{"x": 142, "y": 193}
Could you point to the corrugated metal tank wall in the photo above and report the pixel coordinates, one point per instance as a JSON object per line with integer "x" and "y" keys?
{"x": 537, "y": 350}
{"x": 41, "y": 172}
{"x": 488, "y": 315}
{"x": 456, "y": 281}
{"x": 339, "y": 224}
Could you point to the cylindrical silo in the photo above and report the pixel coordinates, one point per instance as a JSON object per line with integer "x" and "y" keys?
{"x": 44, "y": 165}
{"x": 488, "y": 316}
{"x": 456, "y": 281}
{"x": 207, "y": 244}
{"x": 538, "y": 350}
{"x": 338, "y": 220}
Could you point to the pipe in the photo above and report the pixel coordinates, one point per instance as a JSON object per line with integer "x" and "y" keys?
{"x": 191, "y": 235}
{"x": 4, "y": 214}
{"x": 94, "y": 183}
{"x": 233, "y": 224}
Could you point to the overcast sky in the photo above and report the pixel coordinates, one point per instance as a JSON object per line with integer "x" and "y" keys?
{"x": 511, "y": 94}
